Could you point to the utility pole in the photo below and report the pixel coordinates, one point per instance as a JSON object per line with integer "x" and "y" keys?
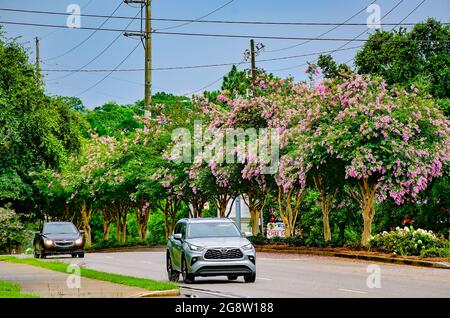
{"x": 148, "y": 57}
{"x": 251, "y": 55}
{"x": 147, "y": 36}
{"x": 253, "y": 62}
{"x": 38, "y": 58}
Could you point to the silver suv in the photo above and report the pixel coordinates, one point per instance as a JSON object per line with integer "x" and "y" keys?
{"x": 209, "y": 247}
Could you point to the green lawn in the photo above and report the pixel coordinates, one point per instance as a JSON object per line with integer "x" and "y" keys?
{"x": 9, "y": 290}
{"x": 144, "y": 283}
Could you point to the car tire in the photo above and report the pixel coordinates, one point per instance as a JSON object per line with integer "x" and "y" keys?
{"x": 74, "y": 255}
{"x": 174, "y": 276}
{"x": 250, "y": 278}
{"x": 43, "y": 256}
{"x": 81, "y": 255}
{"x": 187, "y": 278}
{"x": 232, "y": 277}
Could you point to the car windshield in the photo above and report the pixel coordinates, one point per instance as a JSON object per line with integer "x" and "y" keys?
{"x": 213, "y": 229}
{"x": 59, "y": 228}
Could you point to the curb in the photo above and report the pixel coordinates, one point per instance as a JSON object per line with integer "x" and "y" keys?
{"x": 382, "y": 259}
{"x": 160, "y": 293}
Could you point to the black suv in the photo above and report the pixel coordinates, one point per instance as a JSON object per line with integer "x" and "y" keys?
{"x": 58, "y": 238}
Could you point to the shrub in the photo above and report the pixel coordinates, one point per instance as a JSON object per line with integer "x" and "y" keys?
{"x": 12, "y": 232}
{"x": 408, "y": 241}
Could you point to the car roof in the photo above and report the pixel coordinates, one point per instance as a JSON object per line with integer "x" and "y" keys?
{"x": 205, "y": 220}
{"x": 58, "y": 223}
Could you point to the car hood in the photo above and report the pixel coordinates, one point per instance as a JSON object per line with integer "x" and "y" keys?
{"x": 219, "y": 241}
{"x": 57, "y": 237}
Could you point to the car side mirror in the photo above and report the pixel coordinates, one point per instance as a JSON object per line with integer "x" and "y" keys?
{"x": 177, "y": 236}
{"x": 37, "y": 233}
{"x": 81, "y": 232}
{"x": 247, "y": 234}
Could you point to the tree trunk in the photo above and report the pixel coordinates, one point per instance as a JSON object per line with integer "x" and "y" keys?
{"x": 326, "y": 198}
{"x": 86, "y": 216}
{"x": 118, "y": 224}
{"x": 288, "y": 204}
{"x": 170, "y": 211}
{"x": 222, "y": 206}
{"x": 142, "y": 223}
{"x": 366, "y": 198}
{"x": 124, "y": 227}
{"x": 106, "y": 228}
{"x": 326, "y": 221}
{"x": 255, "y": 206}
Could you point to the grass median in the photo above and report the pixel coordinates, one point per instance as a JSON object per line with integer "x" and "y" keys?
{"x": 144, "y": 283}
{"x": 10, "y": 290}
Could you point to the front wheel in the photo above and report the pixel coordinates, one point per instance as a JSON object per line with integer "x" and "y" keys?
{"x": 232, "y": 277}
{"x": 250, "y": 278}
{"x": 81, "y": 255}
{"x": 173, "y": 275}
{"x": 187, "y": 278}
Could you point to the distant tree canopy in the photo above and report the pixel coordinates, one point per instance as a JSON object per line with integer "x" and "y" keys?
{"x": 420, "y": 56}
{"x": 36, "y": 130}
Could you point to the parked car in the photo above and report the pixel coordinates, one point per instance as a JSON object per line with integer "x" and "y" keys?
{"x": 209, "y": 247}
{"x": 58, "y": 238}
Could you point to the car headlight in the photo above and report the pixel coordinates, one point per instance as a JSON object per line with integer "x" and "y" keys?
{"x": 79, "y": 241}
{"x": 195, "y": 248}
{"x": 48, "y": 242}
{"x": 247, "y": 247}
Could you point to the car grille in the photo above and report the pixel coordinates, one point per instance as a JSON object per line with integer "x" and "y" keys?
{"x": 64, "y": 243}
{"x": 223, "y": 253}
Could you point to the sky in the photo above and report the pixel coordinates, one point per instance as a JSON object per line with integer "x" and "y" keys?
{"x": 175, "y": 50}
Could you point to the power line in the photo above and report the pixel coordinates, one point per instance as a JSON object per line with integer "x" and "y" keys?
{"x": 90, "y": 36}
{"x": 196, "y": 20}
{"x": 112, "y": 71}
{"x": 215, "y": 21}
{"x": 54, "y": 31}
{"x": 200, "y": 66}
{"x": 411, "y": 12}
{"x": 98, "y": 55}
{"x": 322, "y": 34}
{"x": 384, "y": 16}
{"x": 213, "y": 35}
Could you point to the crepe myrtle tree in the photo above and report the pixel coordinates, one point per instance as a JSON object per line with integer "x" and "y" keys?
{"x": 393, "y": 143}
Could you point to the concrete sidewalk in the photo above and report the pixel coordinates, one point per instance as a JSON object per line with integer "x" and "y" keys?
{"x": 46, "y": 283}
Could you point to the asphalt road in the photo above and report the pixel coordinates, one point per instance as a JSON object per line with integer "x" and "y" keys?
{"x": 282, "y": 275}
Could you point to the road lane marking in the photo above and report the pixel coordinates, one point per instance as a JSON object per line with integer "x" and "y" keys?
{"x": 107, "y": 256}
{"x": 147, "y": 262}
{"x": 209, "y": 292}
{"x": 352, "y": 291}
{"x": 263, "y": 278}
{"x": 281, "y": 259}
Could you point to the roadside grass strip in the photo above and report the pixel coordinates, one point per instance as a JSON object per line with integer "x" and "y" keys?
{"x": 144, "y": 283}
{"x": 9, "y": 290}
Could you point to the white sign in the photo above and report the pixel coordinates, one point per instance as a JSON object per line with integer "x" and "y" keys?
{"x": 275, "y": 229}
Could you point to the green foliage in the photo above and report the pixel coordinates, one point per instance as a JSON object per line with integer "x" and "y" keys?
{"x": 35, "y": 130}
{"x": 156, "y": 228}
{"x": 9, "y": 290}
{"x": 420, "y": 55}
{"x": 330, "y": 68}
{"x": 408, "y": 241}
{"x": 12, "y": 231}
{"x": 111, "y": 119}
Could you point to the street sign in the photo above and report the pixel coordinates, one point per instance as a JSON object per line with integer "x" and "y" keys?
{"x": 275, "y": 229}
